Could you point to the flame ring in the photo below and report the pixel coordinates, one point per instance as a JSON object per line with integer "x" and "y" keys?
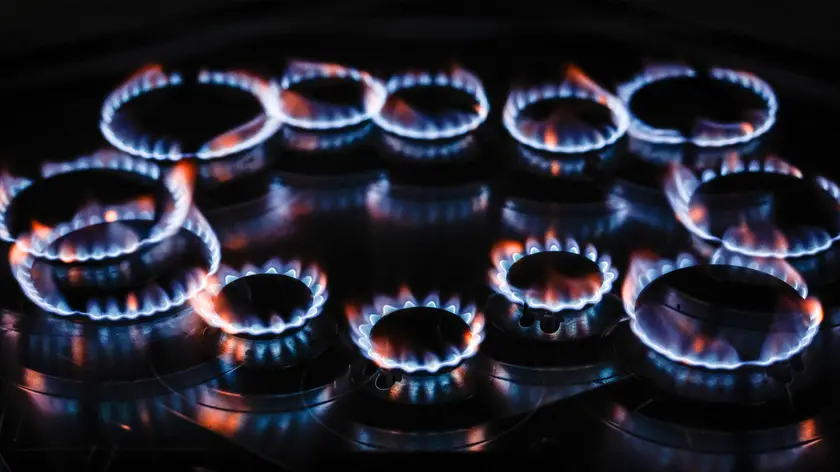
{"x": 459, "y": 80}
{"x": 680, "y": 190}
{"x": 151, "y": 79}
{"x": 642, "y": 131}
{"x": 178, "y": 186}
{"x": 426, "y": 152}
{"x": 302, "y": 141}
{"x": 194, "y": 223}
{"x": 504, "y": 261}
{"x": 314, "y": 280}
{"x": 298, "y": 72}
{"x": 371, "y": 315}
{"x": 518, "y": 101}
{"x": 644, "y": 277}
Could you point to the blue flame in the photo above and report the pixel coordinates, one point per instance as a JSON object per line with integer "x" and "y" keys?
{"x": 428, "y": 151}
{"x": 643, "y": 271}
{"x": 178, "y": 182}
{"x": 288, "y": 348}
{"x": 153, "y": 299}
{"x": 576, "y": 86}
{"x": 153, "y": 78}
{"x": 321, "y": 141}
{"x": 507, "y": 253}
{"x": 707, "y": 133}
{"x": 681, "y": 185}
{"x": 205, "y": 303}
{"x": 322, "y": 116}
{"x": 442, "y": 207}
{"x": 363, "y": 321}
{"x": 428, "y": 128}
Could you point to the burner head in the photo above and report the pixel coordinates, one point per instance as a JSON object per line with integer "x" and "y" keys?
{"x": 725, "y": 314}
{"x": 263, "y": 299}
{"x": 420, "y": 333}
{"x": 433, "y": 105}
{"x": 552, "y": 276}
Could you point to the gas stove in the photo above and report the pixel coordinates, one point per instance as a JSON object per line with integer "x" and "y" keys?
{"x": 270, "y": 255}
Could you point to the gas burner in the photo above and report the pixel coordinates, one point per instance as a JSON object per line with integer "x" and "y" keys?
{"x": 590, "y": 220}
{"x": 37, "y": 279}
{"x": 219, "y": 305}
{"x": 405, "y": 119}
{"x": 41, "y": 241}
{"x": 675, "y": 322}
{"x": 305, "y": 113}
{"x": 447, "y": 151}
{"x": 422, "y": 205}
{"x": 414, "y": 337}
{"x": 563, "y": 131}
{"x": 563, "y": 279}
{"x": 761, "y": 239}
{"x": 546, "y": 356}
{"x": 320, "y": 141}
{"x": 60, "y": 357}
{"x": 118, "y": 127}
{"x": 707, "y": 132}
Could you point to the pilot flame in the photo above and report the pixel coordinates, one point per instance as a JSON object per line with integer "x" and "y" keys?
{"x": 750, "y": 239}
{"x": 575, "y": 293}
{"x": 362, "y": 320}
{"x": 402, "y": 120}
{"x": 153, "y": 77}
{"x": 706, "y": 133}
{"x": 36, "y": 280}
{"x": 544, "y": 136}
{"x": 205, "y": 304}
{"x": 681, "y": 340}
{"x": 40, "y": 241}
{"x": 300, "y": 112}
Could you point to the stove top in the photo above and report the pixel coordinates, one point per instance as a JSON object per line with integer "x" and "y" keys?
{"x": 266, "y": 256}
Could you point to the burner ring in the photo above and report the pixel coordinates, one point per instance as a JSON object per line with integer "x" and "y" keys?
{"x": 746, "y": 131}
{"x": 458, "y": 79}
{"x": 39, "y": 244}
{"x": 508, "y": 253}
{"x": 153, "y": 78}
{"x": 681, "y": 185}
{"x": 643, "y": 271}
{"x": 301, "y": 140}
{"x": 315, "y": 281}
{"x": 362, "y": 322}
{"x": 34, "y": 288}
{"x": 577, "y": 86}
{"x": 303, "y": 71}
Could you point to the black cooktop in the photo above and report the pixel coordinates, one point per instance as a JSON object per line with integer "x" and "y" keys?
{"x": 599, "y": 248}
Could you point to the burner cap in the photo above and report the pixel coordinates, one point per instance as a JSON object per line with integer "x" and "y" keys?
{"x": 422, "y": 333}
{"x": 263, "y": 300}
{"x": 552, "y": 276}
